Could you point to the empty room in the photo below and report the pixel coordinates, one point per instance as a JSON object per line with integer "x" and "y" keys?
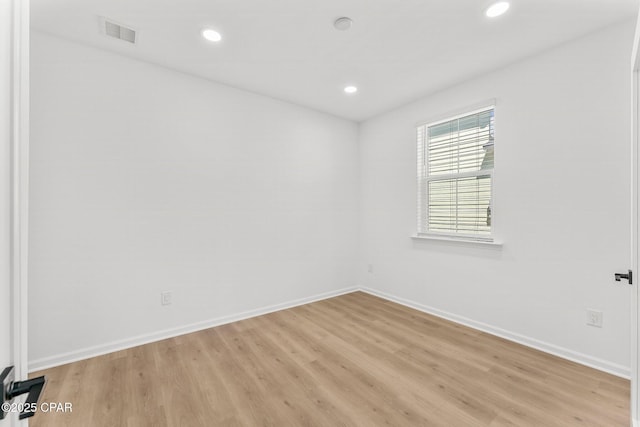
{"x": 319, "y": 213}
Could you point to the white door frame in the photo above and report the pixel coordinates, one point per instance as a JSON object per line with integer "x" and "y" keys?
{"x": 15, "y": 143}
{"x": 16, "y": 115}
{"x": 635, "y": 189}
{"x": 20, "y": 182}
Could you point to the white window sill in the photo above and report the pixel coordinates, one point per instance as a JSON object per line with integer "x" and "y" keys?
{"x": 457, "y": 240}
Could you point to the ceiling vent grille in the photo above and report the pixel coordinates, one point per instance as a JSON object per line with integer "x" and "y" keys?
{"x": 118, "y": 31}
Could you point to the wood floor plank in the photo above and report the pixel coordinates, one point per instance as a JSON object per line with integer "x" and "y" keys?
{"x": 353, "y": 360}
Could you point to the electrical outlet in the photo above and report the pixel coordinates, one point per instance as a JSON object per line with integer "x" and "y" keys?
{"x": 594, "y": 318}
{"x": 165, "y": 298}
{"x": 370, "y": 268}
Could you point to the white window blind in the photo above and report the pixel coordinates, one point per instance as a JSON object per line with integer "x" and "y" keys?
{"x": 455, "y": 175}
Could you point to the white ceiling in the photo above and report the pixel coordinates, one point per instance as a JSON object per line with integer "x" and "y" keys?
{"x": 397, "y": 50}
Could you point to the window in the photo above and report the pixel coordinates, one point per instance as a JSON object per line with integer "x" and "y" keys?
{"x": 455, "y": 176}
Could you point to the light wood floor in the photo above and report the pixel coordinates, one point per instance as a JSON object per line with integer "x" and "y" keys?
{"x": 353, "y": 360}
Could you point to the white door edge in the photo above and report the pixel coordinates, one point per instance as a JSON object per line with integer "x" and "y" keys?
{"x": 20, "y": 183}
{"x": 635, "y": 189}
{"x": 14, "y": 201}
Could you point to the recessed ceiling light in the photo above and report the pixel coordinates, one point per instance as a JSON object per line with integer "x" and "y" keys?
{"x": 211, "y": 35}
{"x": 497, "y": 9}
{"x": 350, "y": 89}
{"x": 343, "y": 23}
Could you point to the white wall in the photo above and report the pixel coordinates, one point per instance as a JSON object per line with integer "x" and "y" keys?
{"x": 561, "y": 204}
{"x": 146, "y": 180}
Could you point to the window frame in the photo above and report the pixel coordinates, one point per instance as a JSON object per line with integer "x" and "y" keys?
{"x": 423, "y": 178}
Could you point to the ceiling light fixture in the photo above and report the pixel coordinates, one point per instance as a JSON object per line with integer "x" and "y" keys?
{"x": 497, "y": 9}
{"x": 211, "y": 35}
{"x": 350, "y": 89}
{"x": 343, "y": 24}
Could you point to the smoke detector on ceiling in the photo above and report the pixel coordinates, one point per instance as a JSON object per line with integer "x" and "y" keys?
{"x": 118, "y": 31}
{"x": 343, "y": 24}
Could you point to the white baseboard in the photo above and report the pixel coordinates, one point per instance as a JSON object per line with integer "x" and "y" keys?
{"x": 583, "y": 359}
{"x": 74, "y": 356}
{"x": 99, "y": 350}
